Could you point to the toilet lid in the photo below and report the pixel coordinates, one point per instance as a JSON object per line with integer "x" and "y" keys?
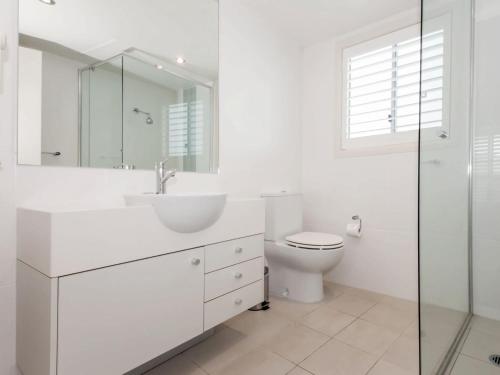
{"x": 315, "y": 239}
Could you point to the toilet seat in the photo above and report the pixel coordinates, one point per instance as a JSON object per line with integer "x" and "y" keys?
{"x": 315, "y": 241}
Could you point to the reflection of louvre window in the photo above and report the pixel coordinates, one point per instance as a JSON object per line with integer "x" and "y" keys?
{"x": 185, "y": 129}
{"x": 487, "y": 168}
{"x": 382, "y": 82}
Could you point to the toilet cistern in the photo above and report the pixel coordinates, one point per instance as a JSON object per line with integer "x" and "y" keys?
{"x": 162, "y": 176}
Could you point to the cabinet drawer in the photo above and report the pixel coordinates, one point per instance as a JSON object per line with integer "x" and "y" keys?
{"x": 226, "y": 254}
{"x": 223, "y": 308}
{"x": 231, "y": 278}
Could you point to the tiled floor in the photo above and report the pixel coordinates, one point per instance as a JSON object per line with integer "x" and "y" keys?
{"x": 483, "y": 339}
{"x": 351, "y": 332}
{"x": 439, "y": 327}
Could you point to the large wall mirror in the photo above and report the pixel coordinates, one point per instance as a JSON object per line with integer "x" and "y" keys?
{"x": 118, "y": 83}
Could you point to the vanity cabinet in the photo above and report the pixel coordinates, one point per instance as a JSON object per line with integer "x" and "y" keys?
{"x": 116, "y": 318}
{"x": 106, "y": 291}
{"x": 113, "y": 319}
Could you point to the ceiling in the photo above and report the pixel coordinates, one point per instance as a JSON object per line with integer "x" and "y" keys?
{"x": 189, "y": 28}
{"x": 310, "y": 21}
{"x": 103, "y": 28}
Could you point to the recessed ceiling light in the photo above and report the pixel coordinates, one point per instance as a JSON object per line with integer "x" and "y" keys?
{"x": 158, "y": 66}
{"x": 181, "y": 60}
{"x": 48, "y": 2}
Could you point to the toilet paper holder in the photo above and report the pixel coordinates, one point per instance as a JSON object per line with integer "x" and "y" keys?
{"x": 357, "y": 217}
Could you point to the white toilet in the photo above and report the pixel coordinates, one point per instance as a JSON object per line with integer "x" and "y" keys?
{"x": 297, "y": 260}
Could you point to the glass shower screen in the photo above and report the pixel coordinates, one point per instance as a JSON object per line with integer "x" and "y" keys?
{"x": 444, "y": 180}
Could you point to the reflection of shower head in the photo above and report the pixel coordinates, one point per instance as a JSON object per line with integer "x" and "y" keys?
{"x": 149, "y": 119}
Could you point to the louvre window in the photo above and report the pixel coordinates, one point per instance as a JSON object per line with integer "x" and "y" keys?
{"x": 382, "y": 84}
{"x": 186, "y": 129}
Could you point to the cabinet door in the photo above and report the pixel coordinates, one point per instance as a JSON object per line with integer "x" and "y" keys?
{"x": 113, "y": 319}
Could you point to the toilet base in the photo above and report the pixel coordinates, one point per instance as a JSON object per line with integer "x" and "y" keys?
{"x": 300, "y": 286}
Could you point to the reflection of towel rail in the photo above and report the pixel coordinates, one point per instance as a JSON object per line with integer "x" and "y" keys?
{"x": 57, "y": 153}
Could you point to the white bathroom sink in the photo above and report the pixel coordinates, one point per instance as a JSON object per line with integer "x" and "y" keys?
{"x": 183, "y": 212}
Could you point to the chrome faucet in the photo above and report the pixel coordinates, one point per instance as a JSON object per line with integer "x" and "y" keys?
{"x": 162, "y": 176}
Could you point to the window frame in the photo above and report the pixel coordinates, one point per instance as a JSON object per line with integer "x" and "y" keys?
{"x": 405, "y": 139}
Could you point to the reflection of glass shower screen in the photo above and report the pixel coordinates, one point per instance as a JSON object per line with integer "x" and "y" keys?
{"x": 114, "y": 98}
{"x": 84, "y": 130}
{"x": 101, "y": 119}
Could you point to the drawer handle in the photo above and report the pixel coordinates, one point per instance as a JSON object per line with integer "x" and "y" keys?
{"x": 238, "y": 275}
{"x": 238, "y": 250}
{"x": 195, "y": 261}
{"x": 238, "y": 301}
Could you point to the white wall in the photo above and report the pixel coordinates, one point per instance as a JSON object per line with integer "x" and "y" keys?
{"x": 259, "y": 127}
{"x": 60, "y": 109}
{"x": 487, "y": 162}
{"x": 382, "y": 189}
{"x": 8, "y": 110}
{"x": 30, "y": 106}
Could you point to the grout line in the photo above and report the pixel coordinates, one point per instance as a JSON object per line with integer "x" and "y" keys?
{"x": 319, "y": 347}
{"x": 475, "y": 358}
{"x": 347, "y": 326}
{"x": 265, "y": 348}
{"x": 395, "y": 330}
{"x": 298, "y": 367}
{"x": 309, "y": 372}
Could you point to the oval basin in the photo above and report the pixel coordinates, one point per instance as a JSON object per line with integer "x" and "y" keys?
{"x": 183, "y": 212}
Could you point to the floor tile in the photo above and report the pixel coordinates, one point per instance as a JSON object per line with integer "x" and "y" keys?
{"x": 365, "y": 294}
{"x": 481, "y": 345}
{"x": 440, "y": 326}
{"x": 259, "y": 326}
{"x": 435, "y": 316}
{"x": 291, "y": 309}
{"x": 332, "y": 290}
{"x": 412, "y": 331}
{"x": 296, "y": 339}
{"x": 432, "y": 356}
{"x": 327, "y": 321}
{"x": 350, "y": 304}
{"x": 486, "y": 325}
{"x": 390, "y": 317}
{"x": 296, "y": 343}
{"x": 400, "y": 304}
{"x": 368, "y": 337}
{"x": 404, "y": 353}
{"x": 257, "y": 362}
{"x": 337, "y": 358}
{"x": 470, "y": 366}
{"x": 386, "y": 368}
{"x": 219, "y": 350}
{"x": 178, "y": 365}
{"x": 299, "y": 371}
